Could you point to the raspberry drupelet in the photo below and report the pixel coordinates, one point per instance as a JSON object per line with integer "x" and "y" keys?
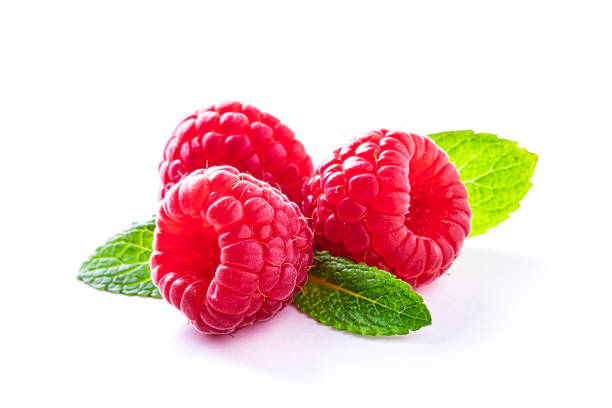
{"x": 391, "y": 200}
{"x": 229, "y": 249}
{"x": 240, "y": 136}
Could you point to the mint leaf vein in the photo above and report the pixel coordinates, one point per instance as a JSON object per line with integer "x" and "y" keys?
{"x": 360, "y": 299}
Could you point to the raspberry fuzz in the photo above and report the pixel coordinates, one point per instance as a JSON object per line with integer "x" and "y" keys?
{"x": 229, "y": 249}
{"x": 241, "y": 136}
{"x": 391, "y": 200}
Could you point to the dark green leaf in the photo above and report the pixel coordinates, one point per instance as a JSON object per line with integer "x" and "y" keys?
{"x": 360, "y": 298}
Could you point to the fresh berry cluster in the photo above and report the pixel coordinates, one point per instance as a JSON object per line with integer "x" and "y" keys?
{"x": 232, "y": 246}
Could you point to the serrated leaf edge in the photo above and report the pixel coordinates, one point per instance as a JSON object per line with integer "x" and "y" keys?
{"x": 470, "y": 135}
{"x": 143, "y": 226}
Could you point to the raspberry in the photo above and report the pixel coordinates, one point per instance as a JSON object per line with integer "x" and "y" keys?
{"x": 241, "y": 136}
{"x": 391, "y": 200}
{"x": 229, "y": 249}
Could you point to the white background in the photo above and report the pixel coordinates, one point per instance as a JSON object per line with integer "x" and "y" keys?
{"x": 90, "y": 92}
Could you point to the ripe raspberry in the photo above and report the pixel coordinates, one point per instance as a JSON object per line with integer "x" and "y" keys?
{"x": 229, "y": 249}
{"x": 241, "y": 136}
{"x": 391, "y": 200}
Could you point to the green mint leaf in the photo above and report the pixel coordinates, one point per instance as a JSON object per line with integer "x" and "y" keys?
{"x": 360, "y": 298}
{"x": 495, "y": 171}
{"x": 121, "y": 265}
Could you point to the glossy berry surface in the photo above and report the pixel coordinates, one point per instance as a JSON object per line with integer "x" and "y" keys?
{"x": 241, "y": 136}
{"x": 391, "y": 200}
{"x": 229, "y": 249}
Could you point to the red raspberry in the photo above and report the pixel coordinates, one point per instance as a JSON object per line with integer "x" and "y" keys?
{"x": 241, "y": 136}
{"x": 229, "y": 249}
{"x": 391, "y": 200}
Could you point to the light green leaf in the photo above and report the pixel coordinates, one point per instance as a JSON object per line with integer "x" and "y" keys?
{"x": 360, "y": 298}
{"x": 121, "y": 265}
{"x": 495, "y": 171}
